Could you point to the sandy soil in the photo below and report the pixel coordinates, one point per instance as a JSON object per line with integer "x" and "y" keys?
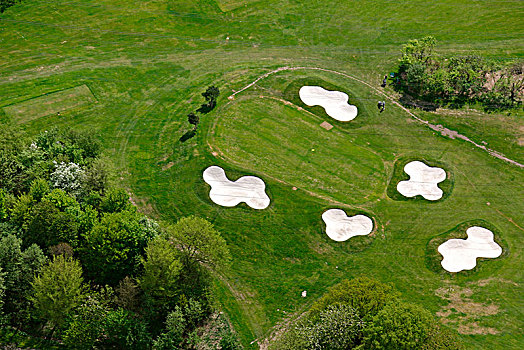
{"x": 423, "y": 180}
{"x": 248, "y": 189}
{"x": 340, "y": 227}
{"x": 334, "y": 102}
{"x": 462, "y": 254}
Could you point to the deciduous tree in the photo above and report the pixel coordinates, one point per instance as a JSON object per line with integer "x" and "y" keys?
{"x": 57, "y": 289}
{"x": 198, "y": 241}
{"x": 398, "y": 326}
{"x": 111, "y": 250}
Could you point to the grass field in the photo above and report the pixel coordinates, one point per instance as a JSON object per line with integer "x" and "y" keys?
{"x": 147, "y": 64}
{"x": 50, "y": 103}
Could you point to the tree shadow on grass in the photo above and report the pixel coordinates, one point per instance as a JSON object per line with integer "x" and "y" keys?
{"x": 410, "y": 102}
{"x": 188, "y": 135}
{"x": 206, "y": 108}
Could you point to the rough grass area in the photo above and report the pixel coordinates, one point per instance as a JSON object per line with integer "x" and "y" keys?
{"x": 433, "y": 257}
{"x": 147, "y": 66}
{"x": 400, "y": 175}
{"x": 228, "y": 5}
{"x": 50, "y": 103}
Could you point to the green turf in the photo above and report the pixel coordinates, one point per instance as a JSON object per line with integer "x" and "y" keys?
{"x": 50, "y": 103}
{"x": 265, "y": 136}
{"x": 147, "y": 64}
{"x": 228, "y": 5}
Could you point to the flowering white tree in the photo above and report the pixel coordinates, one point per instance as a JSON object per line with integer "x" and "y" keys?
{"x": 68, "y": 177}
{"x": 338, "y": 327}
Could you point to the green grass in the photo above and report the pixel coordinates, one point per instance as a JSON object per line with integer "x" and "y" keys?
{"x": 264, "y": 135}
{"x": 228, "y": 5}
{"x": 147, "y": 65}
{"x": 50, "y": 103}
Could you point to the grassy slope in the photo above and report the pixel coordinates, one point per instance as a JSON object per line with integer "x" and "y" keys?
{"x": 148, "y": 62}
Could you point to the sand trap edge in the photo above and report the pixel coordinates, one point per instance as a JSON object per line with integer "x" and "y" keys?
{"x": 433, "y": 258}
{"x": 399, "y": 175}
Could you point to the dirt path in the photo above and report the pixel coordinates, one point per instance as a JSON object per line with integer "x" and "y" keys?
{"x": 452, "y": 134}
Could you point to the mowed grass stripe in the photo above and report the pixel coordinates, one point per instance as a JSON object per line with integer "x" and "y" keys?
{"x": 228, "y": 5}
{"x": 267, "y": 136}
{"x": 47, "y": 104}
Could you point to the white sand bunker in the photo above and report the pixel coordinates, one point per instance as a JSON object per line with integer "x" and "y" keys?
{"x": 334, "y": 102}
{"x": 462, "y": 254}
{"x": 248, "y": 189}
{"x": 423, "y": 180}
{"x": 340, "y": 227}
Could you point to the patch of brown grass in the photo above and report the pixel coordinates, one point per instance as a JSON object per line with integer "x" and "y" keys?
{"x": 461, "y": 310}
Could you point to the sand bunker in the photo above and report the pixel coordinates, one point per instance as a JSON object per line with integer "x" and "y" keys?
{"x": 462, "y": 254}
{"x": 334, "y": 102}
{"x": 340, "y": 227}
{"x": 248, "y": 189}
{"x": 422, "y": 181}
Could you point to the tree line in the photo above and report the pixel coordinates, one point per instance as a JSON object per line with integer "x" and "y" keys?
{"x": 79, "y": 265}
{"x": 210, "y": 95}
{"x": 364, "y": 313}
{"x": 457, "y": 80}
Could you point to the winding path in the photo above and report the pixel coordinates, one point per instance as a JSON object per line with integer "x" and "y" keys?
{"x": 452, "y": 134}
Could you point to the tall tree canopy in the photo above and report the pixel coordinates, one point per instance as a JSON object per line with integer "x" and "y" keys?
{"x": 199, "y": 241}
{"x": 58, "y": 289}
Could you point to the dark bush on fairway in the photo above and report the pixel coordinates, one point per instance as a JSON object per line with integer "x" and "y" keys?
{"x": 364, "y": 313}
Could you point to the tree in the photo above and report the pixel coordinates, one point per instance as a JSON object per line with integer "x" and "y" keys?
{"x": 68, "y": 177}
{"x": 174, "y": 331}
{"x": 211, "y": 94}
{"x": 2, "y": 294}
{"x": 198, "y": 241}
{"x": 19, "y": 268}
{"x": 5, "y": 4}
{"x": 398, "y": 326}
{"x": 193, "y": 119}
{"x": 96, "y": 177}
{"x": 115, "y": 200}
{"x": 110, "y": 251}
{"x": 417, "y": 51}
{"x": 20, "y": 209}
{"x": 85, "y": 141}
{"x": 338, "y": 327}
{"x": 48, "y": 226}
{"x": 128, "y": 294}
{"x": 57, "y": 290}
{"x": 39, "y": 188}
{"x": 3, "y": 204}
{"x": 124, "y": 331}
{"x": 86, "y": 323}
{"x": 366, "y": 295}
{"x": 161, "y": 270}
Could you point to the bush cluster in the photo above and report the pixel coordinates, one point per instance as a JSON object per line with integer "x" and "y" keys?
{"x": 456, "y": 80}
